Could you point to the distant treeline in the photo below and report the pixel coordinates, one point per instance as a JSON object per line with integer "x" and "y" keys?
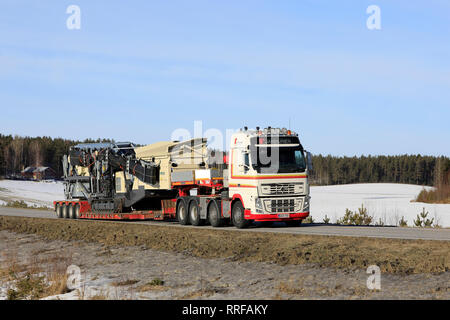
{"x": 17, "y": 152}
{"x": 412, "y": 169}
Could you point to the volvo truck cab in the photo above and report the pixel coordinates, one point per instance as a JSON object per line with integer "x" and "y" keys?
{"x": 268, "y": 177}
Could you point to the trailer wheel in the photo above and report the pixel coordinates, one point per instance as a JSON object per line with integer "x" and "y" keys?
{"x": 77, "y": 211}
{"x": 65, "y": 211}
{"x": 194, "y": 213}
{"x": 214, "y": 215}
{"x": 72, "y": 213}
{"x": 237, "y": 216}
{"x": 182, "y": 215}
{"x": 58, "y": 211}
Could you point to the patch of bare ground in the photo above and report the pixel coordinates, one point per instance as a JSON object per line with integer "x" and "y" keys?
{"x": 137, "y": 272}
{"x": 348, "y": 253}
{"x": 33, "y": 276}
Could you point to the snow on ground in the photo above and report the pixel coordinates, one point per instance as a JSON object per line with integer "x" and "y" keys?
{"x": 32, "y": 192}
{"x": 388, "y": 201}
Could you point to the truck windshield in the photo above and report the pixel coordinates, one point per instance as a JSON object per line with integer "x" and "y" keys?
{"x": 278, "y": 159}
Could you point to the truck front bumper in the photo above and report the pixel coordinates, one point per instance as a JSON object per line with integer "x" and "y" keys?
{"x": 275, "y": 217}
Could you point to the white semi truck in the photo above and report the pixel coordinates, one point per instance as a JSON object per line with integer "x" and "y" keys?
{"x": 264, "y": 179}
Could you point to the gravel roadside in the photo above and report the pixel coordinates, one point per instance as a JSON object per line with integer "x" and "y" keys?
{"x": 137, "y": 272}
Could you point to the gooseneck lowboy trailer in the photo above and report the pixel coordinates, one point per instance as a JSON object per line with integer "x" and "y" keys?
{"x": 263, "y": 178}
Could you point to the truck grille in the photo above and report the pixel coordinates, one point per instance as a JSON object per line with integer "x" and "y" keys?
{"x": 282, "y": 205}
{"x": 275, "y": 189}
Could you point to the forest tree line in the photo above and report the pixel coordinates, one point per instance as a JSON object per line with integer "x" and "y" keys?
{"x": 411, "y": 169}
{"x": 17, "y": 153}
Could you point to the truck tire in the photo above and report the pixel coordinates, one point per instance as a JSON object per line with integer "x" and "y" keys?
{"x": 214, "y": 217}
{"x": 182, "y": 214}
{"x": 237, "y": 216}
{"x": 58, "y": 211}
{"x": 194, "y": 213}
{"x": 77, "y": 211}
{"x": 293, "y": 223}
{"x": 72, "y": 213}
{"x": 65, "y": 211}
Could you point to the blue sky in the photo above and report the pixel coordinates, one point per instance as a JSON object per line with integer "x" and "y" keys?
{"x": 138, "y": 70}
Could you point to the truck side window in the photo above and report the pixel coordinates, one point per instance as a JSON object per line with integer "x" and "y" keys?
{"x": 246, "y": 162}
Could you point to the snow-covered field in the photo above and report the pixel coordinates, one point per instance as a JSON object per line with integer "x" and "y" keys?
{"x": 388, "y": 201}
{"x": 33, "y": 193}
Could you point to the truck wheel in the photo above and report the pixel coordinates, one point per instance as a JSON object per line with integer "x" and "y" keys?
{"x": 194, "y": 213}
{"x": 237, "y": 215}
{"x": 65, "y": 211}
{"x": 58, "y": 211}
{"x": 213, "y": 215}
{"x": 293, "y": 223}
{"x": 182, "y": 214}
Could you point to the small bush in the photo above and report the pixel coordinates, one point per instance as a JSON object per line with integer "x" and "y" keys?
{"x": 380, "y": 223}
{"x": 23, "y": 205}
{"x": 422, "y": 221}
{"x": 326, "y": 220}
{"x": 441, "y": 194}
{"x": 309, "y": 219}
{"x": 28, "y": 287}
{"x": 17, "y": 204}
{"x": 360, "y": 218}
{"x": 156, "y": 282}
{"x": 403, "y": 222}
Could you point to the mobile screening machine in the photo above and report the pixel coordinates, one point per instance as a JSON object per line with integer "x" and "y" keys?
{"x": 264, "y": 178}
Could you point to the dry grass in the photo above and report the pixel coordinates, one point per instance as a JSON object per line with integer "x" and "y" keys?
{"x": 98, "y": 297}
{"x": 33, "y": 277}
{"x": 123, "y": 283}
{"x": 291, "y": 288}
{"x": 391, "y": 255}
{"x": 155, "y": 285}
{"x": 206, "y": 292}
{"x": 440, "y": 194}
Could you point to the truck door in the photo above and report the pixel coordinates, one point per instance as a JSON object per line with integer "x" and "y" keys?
{"x": 241, "y": 162}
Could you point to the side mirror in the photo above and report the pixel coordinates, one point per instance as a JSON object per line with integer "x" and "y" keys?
{"x": 174, "y": 165}
{"x": 309, "y": 161}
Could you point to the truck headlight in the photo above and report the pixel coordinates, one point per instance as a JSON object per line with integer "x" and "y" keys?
{"x": 306, "y": 204}
{"x": 258, "y": 205}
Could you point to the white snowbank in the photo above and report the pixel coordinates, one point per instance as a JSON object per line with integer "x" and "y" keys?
{"x": 32, "y": 192}
{"x": 388, "y": 201}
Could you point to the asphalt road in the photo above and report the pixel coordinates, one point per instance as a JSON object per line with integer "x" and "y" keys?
{"x": 310, "y": 229}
